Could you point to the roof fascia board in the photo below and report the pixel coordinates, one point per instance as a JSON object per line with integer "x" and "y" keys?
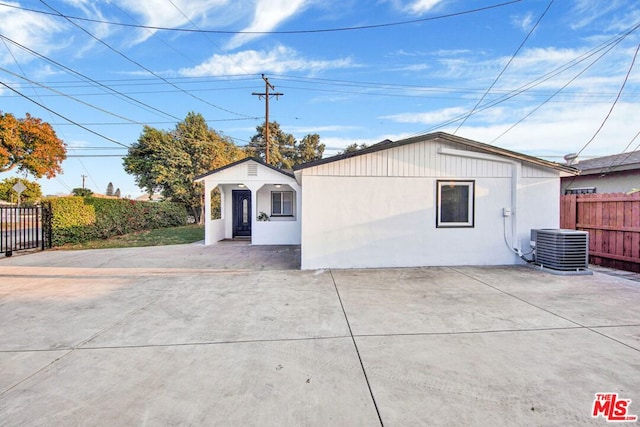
{"x": 201, "y": 178}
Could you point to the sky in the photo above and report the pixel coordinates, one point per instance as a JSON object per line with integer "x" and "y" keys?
{"x": 541, "y": 77}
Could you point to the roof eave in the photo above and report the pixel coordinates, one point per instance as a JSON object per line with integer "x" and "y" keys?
{"x": 200, "y": 178}
{"x": 448, "y": 137}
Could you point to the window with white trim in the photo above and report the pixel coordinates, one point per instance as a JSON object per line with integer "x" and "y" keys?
{"x": 455, "y": 203}
{"x": 282, "y": 203}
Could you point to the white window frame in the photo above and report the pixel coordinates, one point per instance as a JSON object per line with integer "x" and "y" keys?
{"x": 470, "y": 184}
{"x": 282, "y": 193}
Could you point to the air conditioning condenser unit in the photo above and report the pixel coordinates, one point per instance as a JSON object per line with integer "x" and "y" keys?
{"x": 561, "y": 250}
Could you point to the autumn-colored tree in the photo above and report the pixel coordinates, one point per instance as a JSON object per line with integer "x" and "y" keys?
{"x": 31, "y": 146}
{"x": 168, "y": 161}
{"x": 31, "y": 195}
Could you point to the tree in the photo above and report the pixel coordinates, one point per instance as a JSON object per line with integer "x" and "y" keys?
{"x": 353, "y": 147}
{"x": 82, "y": 192}
{"x": 117, "y": 193}
{"x": 282, "y": 146}
{"x": 109, "y": 191}
{"x": 168, "y": 161}
{"x": 284, "y": 151}
{"x": 309, "y": 149}
{"x": 31, "y": 195}
{"x": 31, "y": 146}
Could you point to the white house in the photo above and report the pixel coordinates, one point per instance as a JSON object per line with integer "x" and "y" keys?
{"x": 436, "y": 199}
{"x": 257, "y": 202}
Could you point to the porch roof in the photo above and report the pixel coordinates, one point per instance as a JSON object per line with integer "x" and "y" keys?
{"x": 236, "y": 163}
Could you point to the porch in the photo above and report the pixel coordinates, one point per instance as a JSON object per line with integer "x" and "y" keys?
{"x": 251, "y": 200}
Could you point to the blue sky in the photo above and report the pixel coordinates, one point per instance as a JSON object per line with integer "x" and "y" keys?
{"x": 364, "y": 82}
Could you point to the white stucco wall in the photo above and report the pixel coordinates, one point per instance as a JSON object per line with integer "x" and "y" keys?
{"x": 538, "y": 207}
{"x": 390, "y": 222}
{"x": 260, "y": 180}
{"x": 214, "y": 231}
{"x": 380, "y": 210}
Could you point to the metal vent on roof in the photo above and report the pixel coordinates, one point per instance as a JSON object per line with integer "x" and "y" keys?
{"x": 252, "y": 169}
{"x": 561, "y": 250}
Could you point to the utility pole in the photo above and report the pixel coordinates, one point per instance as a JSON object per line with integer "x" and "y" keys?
{"x": 266, "y": 95}
{"x": 83, "y": 179}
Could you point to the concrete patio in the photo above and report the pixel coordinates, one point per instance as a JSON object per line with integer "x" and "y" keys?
{"x": 234, "y": 334}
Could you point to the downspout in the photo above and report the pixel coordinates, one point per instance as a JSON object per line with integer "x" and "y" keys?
{"x": 516, "y": 172}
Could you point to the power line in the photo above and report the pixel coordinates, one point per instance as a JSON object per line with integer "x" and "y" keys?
{"x": 633, "y": 61}
{"x": 311, "y": 31}
{"x": 266, "y": 96}
{"x": 35, "y": 92}
{"x": 622, "y": 160}
{"x": 544, "y": 78}
{"x": 116, "y": 51}
{"x": 71, "y": 97}
{"x": 207, "y": 36}
{"x": 74, "y": 72}
{"x": 557, "y": 92}
{"x": 146, "y": 123}
{"x": 505, "y": 67}
{"x": 61, "y": 116}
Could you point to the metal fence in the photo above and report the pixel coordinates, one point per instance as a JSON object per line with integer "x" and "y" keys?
{"x": 23, "y": 228}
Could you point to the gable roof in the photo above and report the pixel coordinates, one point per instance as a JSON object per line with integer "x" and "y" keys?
{"x": 614, "y": 163}
{"x": 447, "y": 137}
{"x": 246, "y": 159}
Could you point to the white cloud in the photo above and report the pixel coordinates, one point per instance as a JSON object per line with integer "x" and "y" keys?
{"x": 178, "y": 13}
{"x": 280, "y": 59}
{"x": 585, "y": 12}
{"x": 534, "y": 66}
{"x": 268, "y": 15}
{"x": 523, "y": 22}
{"x": 559, "y": 129}
{"x": 29, "y": 29}
{"x": 419, "y": 7}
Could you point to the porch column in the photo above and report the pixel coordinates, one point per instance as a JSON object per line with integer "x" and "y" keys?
{"x": 207, "y": 212}
{"x": 254, "y": 208}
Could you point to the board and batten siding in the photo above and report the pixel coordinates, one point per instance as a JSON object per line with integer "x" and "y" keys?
{"x": 418, "y": 160}
{"x": 422, "y": 160}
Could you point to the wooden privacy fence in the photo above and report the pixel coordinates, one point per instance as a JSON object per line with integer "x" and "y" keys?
{"x": 613, "y": 223}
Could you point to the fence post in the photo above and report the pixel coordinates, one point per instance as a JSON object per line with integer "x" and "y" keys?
{"x": 568, "y": 211}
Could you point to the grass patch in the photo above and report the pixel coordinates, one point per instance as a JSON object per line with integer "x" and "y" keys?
{"x": 157, "y": 237}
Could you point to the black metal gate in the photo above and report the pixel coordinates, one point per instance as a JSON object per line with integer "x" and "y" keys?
{"x": 23, "y": 228}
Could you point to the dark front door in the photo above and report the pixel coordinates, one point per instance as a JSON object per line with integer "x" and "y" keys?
{"x": 241, "y": 213}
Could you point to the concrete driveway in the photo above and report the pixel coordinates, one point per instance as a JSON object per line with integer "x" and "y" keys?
{"x": 234, "y": 335}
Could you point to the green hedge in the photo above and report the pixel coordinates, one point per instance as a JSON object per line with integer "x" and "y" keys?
{"x": 79, "y": 219}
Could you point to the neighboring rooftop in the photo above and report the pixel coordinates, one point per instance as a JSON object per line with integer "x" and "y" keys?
{"x": 614, "y": 163}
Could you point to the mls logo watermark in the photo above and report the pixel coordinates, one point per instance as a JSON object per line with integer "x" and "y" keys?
{"x": 611, "y": 408}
